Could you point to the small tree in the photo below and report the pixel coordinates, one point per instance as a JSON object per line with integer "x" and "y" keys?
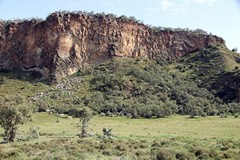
{"x": 107, "y": 133}
{"x": 85, "y": 115}
{"x": 33, "y": 132}
{"x": 235, "y": 50}
{"x": 11, "y": 117}
{"x": 195, "y": 111}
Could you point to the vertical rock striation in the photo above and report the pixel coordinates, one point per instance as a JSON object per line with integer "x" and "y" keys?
{"x": 64, "y": 43}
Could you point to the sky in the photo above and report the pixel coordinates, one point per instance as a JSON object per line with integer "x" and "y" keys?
{"x": 219, "y": 17}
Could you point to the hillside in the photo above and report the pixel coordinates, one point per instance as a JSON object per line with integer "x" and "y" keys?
{"x": 203, "y": 83}
{"x": 215, "y": 68}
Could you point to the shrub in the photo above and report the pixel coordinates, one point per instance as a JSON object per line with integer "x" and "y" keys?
{"x": 107, "y": 134}
{"x": 235, "y": 50}
{"x": 165, "y": 154}
{"x": 33, "y": 132}
{"x": 236, "y": 115}
{"x": 201, "y": 153}
{"x": 184, "y": 156}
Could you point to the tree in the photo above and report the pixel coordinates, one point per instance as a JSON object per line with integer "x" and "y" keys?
{"x": 195, "y": 111}
{"x": 235, "y": 50}
{"x": 85, "y": 115}
{"x": 11, "y": 117}
{"x": 107, "y": 133}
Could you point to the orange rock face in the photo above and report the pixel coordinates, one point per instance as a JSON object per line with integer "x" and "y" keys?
{"x": 65, "y": 43}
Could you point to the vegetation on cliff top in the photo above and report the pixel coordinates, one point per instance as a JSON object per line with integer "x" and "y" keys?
{"x": 108, "y": 16}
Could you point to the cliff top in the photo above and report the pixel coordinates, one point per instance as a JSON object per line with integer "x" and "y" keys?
{"x": 103, "y": 16}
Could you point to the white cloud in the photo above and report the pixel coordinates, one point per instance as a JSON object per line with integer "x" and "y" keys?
{"x": 200, "y": 1}
{"x": 178, "y": 6}
{"x": 166, "y": 4}
{"x": 173, "y": 6}
{"x": 110, "y": 3}
{"x": 208, "y": 2}
{"x": 150, "y": 9}
{"x": 120, "y": 1}
{"x": 73, "y": 3}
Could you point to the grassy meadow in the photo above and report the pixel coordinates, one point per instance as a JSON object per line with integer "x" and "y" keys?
{"x": 175, "y": 137}
{"x": 174, "y": 126}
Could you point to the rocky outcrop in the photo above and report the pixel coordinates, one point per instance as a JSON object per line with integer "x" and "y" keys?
{"x": 64, "y": 43}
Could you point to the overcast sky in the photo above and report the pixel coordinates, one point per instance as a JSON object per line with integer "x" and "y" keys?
{"x": 220, "y": 17}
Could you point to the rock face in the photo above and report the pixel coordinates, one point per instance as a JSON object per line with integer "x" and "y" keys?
{"x": 64, "y": 43}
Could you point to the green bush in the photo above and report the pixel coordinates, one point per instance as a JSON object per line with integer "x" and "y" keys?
{"x": 165, "y": 154}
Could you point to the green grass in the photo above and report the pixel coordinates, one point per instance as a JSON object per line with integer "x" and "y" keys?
{"x": 174, "y": 126}
{"x": 177, "y": 134}
{"x": 20, "y": 83}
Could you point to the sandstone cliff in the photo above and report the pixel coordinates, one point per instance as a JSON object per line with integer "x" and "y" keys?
{"x": 64, "y": 43}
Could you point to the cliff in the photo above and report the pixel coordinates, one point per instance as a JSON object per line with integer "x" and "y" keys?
{"x": 64, "y": 43}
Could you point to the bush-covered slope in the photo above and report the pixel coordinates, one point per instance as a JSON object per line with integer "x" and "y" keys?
{"x": 137, "y": 88}
{"x": 141, "y": 87}
{"x": 215, "y": 68}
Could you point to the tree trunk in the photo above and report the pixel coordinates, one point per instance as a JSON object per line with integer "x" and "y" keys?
{"x": 10, "y": 134}
{"x": 238, "y": 95}
{"x": 84, "y": 129}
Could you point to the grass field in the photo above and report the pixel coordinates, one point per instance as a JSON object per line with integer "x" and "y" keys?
{"x": 175, "y": 126}
{"x": 176, "y": 137}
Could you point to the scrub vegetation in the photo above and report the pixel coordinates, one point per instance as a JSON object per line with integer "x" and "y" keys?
{"x": 126, "y": 108}
{"x": 175, "y": 137}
